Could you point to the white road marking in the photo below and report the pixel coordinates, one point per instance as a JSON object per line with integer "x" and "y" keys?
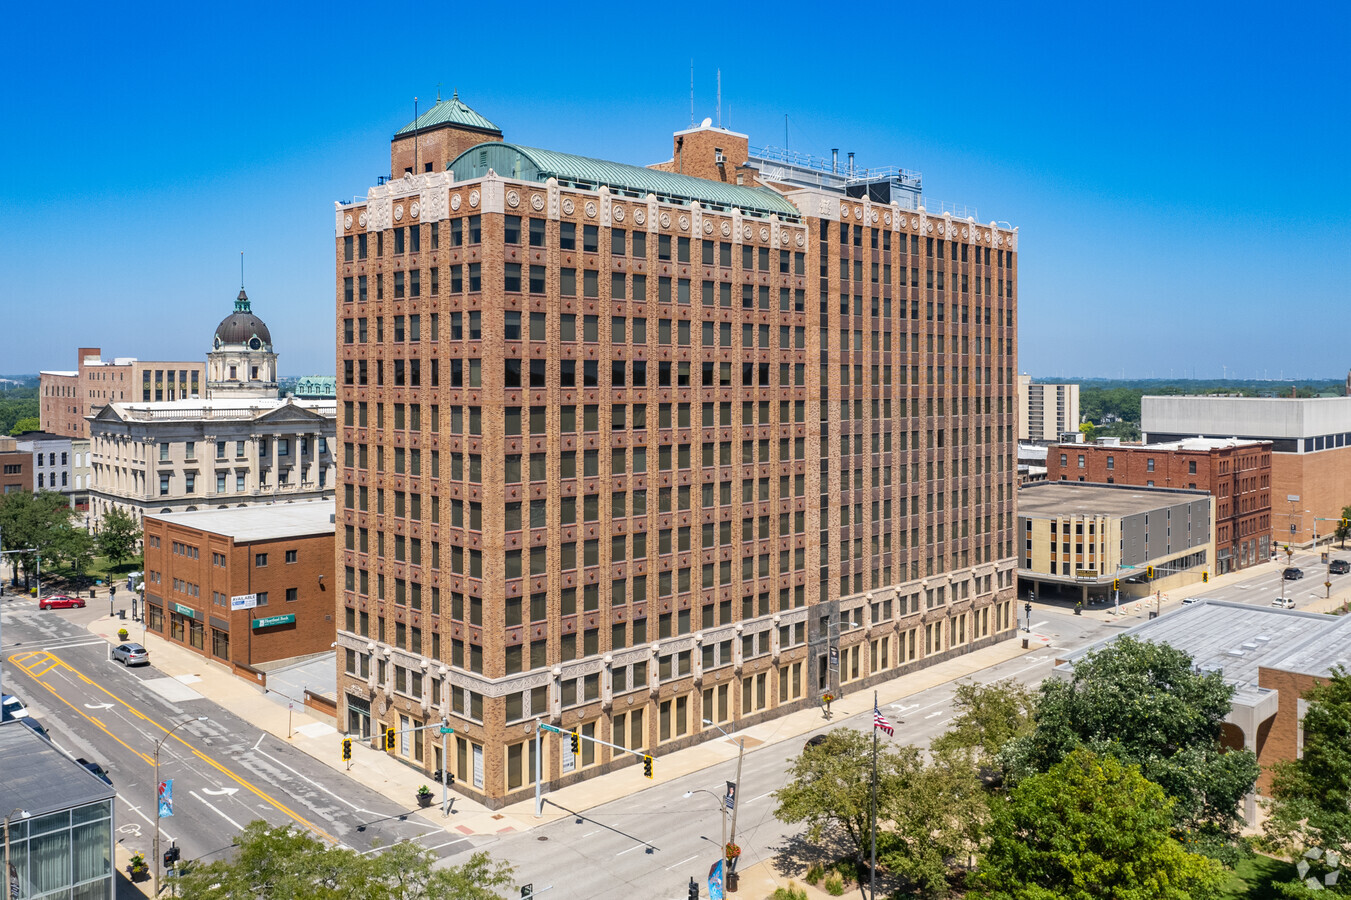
{"x": 137, "y": 810}
{"x": 223, "y": 792}
{"x": 631, "y": 849}
{"x": 70, "y": 646}
{"x": 1039, "y": 624}
{"x": 337, "y": 797}
{"x": 682, "y": 862}
{"x": 98, "y": 706}
{"x": 589, "y": 833}
{"x": 450, "y": 843}
{"x": 765, "y": 794}
{"x": 932, "y": 714}
{"x": 216, "y": 810}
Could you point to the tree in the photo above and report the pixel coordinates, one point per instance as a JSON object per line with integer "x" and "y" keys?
{"x": 283, "y": 862}
{"x": 76, "y": 547}
{"x": 1090, "y": 828}
{"x": 1311, "y": 795}
{"x": 39, "y": 521}
{"x": 118, "y": 534}
{"x": 1144, "y": 704}
{"x": 27, "y": 423}
{"x": 938, "y": 814}
{"x": 829, "y": 788}
{"x": 988, "y": 717}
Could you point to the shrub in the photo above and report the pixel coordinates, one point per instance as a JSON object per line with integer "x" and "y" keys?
{"x": 791, "y": 892}
{"x": 834, "y": 885}
{"x": 815, "y": 873}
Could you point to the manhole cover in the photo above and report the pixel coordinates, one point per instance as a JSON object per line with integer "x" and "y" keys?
{"x": 541, "y": 838}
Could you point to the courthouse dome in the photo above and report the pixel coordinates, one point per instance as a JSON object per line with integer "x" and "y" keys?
{"x": 243, "y": 327}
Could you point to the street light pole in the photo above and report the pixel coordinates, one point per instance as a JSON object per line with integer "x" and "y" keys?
{"x": 741, "y": 755}
{"x": 11, "y": 885}
{"x": 160, "y": 743}
{"x": 722, "y": 808}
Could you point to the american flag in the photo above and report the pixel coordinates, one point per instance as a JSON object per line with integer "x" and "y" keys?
{"x": 880, "y": 721}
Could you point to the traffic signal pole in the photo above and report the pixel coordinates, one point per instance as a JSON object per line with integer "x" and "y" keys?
{"x": 578, "y": 737}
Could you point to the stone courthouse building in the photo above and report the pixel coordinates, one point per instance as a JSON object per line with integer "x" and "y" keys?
{"x": 625, "y": 449}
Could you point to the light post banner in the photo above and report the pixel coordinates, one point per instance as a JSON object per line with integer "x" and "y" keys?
{"x": 715, "y": 881}
{"x": 730, "y": 800}
{"x": 166, "y": 798}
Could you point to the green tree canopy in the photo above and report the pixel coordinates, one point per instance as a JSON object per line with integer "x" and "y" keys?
{"x": 25, "y": 424}
{"x": 1090, "y": 828}
{"x": 118, "y": 534}
{"x": 284, "y": 863}
{"x": 988, "y": 717}
{"x": 1311, "y": 795}
{"x": 1144, "y": 704}
{"x": 40, "y": 521}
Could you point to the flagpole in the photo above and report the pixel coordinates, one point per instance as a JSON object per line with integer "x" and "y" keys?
{"x": 872, "y": 866}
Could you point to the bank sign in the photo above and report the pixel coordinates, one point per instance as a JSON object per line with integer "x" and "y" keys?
{"x": 269, "y": 621}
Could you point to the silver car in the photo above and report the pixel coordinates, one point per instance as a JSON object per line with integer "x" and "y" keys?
{"x": 131, "y": 655}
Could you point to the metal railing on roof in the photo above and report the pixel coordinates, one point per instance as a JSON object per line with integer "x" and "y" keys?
{"x": 821, "y": 164}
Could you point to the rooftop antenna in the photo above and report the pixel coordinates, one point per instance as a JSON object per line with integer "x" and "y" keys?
{"x": 720, "y": 98}
{"x": 785, "y": 131}
{"x": 691, "y": 93}
{"x": 241, "y": 270}
{"x": 415, "y": 129}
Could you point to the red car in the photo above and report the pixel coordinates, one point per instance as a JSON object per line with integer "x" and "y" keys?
{"x": 60, "y": 601}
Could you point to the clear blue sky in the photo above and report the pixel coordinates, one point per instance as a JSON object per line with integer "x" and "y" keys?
{"x": 1178, "y": 172}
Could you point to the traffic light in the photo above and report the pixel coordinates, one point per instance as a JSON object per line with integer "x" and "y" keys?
{"x": 1116, "y": 584}
{"x": 1149, "y": 571}
{"x": 346, "y": 748}
{"x": 1346, "y": 523}
{"x": 1205, "y": 578}
{"x": 389, "y": 738}
{"x": 171, "y": 856}
{"x": 576, "y": 740}
{"x": 694, "y": 889}
{"x": 647, "y": 767}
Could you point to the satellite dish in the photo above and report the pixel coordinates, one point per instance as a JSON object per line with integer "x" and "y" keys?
{"x": 706, "y": 123}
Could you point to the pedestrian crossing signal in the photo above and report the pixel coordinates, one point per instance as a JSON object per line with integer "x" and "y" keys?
{"x": 346, "y": 748}
{"x": 389, "y": 738}
{"x": 647, "y": 767}
{"x": 576, "y": 743}
{"x": 1205, "y": 578}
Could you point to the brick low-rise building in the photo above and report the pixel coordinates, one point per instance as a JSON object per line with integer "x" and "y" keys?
{"x": 1236, "y": 472}
{"x": 624, "y": 450}
{"x": 70, "y": 397}
{"x": 16, "y": 467}
{"x": 247, "y": 586}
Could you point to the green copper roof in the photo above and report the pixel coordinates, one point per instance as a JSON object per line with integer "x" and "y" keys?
{"x": 533, "y": 164}
{"x": 448, "y": 112}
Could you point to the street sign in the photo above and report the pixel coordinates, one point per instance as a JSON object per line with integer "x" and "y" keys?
{"x": 269, "y": 621}
{"x": 445, "y": 730}
{"x": 243, "y": 601}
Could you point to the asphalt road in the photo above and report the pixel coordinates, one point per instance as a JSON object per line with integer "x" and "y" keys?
{"x": 226, "y": 772}
{"x": 651, "y": 843}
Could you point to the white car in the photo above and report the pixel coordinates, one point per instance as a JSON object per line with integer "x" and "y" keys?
{"x": 1284, "y": 602}
{"x": 11, "y": 707}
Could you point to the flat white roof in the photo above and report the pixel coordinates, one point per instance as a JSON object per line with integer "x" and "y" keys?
{"x": 260, "y": 523}
{"x": 1203, "y": 444}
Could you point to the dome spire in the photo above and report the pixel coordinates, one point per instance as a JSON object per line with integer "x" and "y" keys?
{"x": 242, "y": 301}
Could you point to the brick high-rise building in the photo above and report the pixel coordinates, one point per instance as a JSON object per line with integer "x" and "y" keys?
{"x": 624, "y": 450}
{"x": 1236, "y": 472}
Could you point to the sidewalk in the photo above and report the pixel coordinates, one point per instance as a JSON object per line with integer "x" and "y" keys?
{"x": 383, "y": 773}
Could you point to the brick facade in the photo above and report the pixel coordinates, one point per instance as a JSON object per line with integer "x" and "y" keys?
{"x": 1238, "y": 475}
{"x": 68, "y": 397}
{"x": 622, "y": 464}
{"x": 194, "y": 569}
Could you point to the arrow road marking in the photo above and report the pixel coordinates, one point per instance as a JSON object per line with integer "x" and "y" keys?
{"x": 935, "y": 713}
{"x": 98, "y": 706}
{"x": 223, "y": 792}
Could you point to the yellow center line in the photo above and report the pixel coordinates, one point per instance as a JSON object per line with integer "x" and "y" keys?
{"x": 19, "y": 659}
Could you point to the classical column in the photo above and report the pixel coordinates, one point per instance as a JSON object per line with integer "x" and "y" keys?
{"x": 276, "y": 472}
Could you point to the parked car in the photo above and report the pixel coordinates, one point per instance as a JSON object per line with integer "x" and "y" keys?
{"x": 37, "y": 728}
{"x": 131, "y": 654}
{"x": 97, "y": 770}
{"x": 1292, "y": 574}
{"x": 815, "y": 740}
{"x": 1339, "y": 567}
{"x": 11, "y": 707}
{"x": 61, "y": 601}
{"x": 1284, "y": 602}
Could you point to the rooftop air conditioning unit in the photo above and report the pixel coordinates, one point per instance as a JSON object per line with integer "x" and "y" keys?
{"x": 718, "y": 157}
